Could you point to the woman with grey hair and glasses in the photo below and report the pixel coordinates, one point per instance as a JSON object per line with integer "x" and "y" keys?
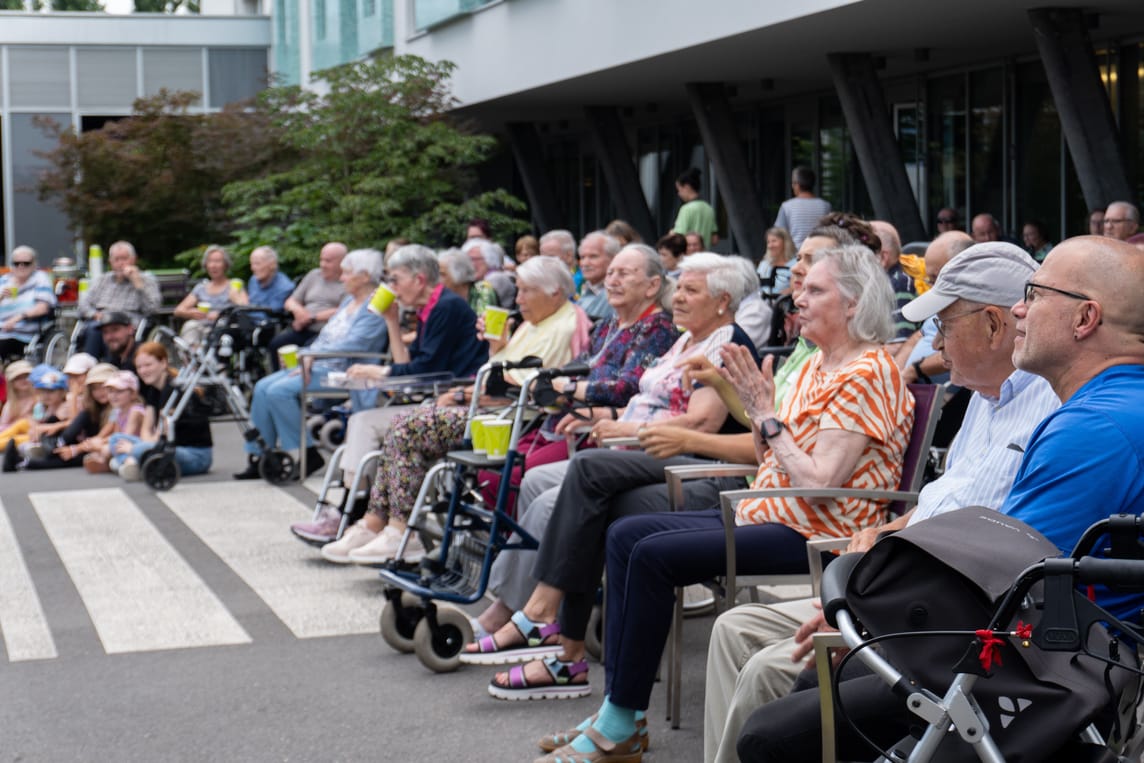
{"x": 200, "y": 309}
{"x": 26, "y": 296}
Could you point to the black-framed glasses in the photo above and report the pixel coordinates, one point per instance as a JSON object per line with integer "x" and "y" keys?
{"x": 1029, "y": 286}
{"x": 946, "y": 220}
{"x": 941, "y": 325}
{"x": 23, "y": 263}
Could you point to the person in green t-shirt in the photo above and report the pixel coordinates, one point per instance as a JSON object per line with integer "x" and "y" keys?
{"x": 696, "y": 215}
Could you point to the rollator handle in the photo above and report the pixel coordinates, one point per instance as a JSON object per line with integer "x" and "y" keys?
{"x": 834, "y": 580}
{"x": 574, "y": 369}
{"x": 530, "y": 361}
{"x": 1126, "y": 573}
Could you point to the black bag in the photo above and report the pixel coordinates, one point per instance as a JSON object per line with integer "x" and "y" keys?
{"x": 949, "y": 573}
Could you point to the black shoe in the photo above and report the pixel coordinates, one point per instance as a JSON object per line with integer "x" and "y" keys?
{"x": 251, "y": 472}
{"x": 314, "y": 460}
{"x": 11, "y": 457}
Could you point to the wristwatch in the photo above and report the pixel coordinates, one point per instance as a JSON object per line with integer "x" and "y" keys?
{"x": 770, "y": 427}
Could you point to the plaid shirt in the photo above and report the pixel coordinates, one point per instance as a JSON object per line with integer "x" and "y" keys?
{"x": 110, "y": 294}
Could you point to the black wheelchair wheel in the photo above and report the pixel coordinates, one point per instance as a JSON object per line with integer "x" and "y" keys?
{"x": 276, "y": 467}
{"x": 161, "y": 471}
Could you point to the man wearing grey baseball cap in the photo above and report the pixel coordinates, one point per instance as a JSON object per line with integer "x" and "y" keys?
{"x": 750, "y": 653}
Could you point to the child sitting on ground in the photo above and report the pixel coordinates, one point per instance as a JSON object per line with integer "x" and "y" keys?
{"x": 34, "y": 435}
{"x": 21, "y": 400}
{"x": 124, "y": 422}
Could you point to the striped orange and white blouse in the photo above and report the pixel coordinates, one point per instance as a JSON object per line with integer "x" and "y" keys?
{"x": 867, "y": 396}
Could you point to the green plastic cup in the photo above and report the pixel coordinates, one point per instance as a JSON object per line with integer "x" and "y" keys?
{"x": 477, "y": 430}
{"x": 496, "y": 318}
{"x": 288, "y": 356}
{"x": 237, "y": 284}
{"x": 381, "y": 299}
{"x": 498, "y": 434}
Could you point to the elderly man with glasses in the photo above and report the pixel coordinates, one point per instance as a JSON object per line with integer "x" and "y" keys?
{"x": 125, "y": 289}
{"x": 26, "y": 296}
{"x": 1121, "y": 220}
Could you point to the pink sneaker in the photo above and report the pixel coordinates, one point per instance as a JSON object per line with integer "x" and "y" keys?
{"x": 321, "y": 532}
{"x": 357, "y": 536}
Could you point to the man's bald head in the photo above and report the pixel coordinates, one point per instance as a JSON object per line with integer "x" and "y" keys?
{"x": 1082, "y": 315}
{"x": 891, "y": 243}
{"x": 943, "y": 249}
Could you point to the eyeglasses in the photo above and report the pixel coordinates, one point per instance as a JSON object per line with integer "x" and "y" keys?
{"x": 23, "y": 263}
{"x": 946, "y": 220}
{"x": 1030, "y": 286}
{"x": 942, "y": 325}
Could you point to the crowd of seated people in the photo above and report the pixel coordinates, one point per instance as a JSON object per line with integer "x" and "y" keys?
{"x": 671, "y": 339}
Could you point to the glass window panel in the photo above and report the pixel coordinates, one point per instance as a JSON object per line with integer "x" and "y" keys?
{"x": 35, "y": 223}
{"x": 106, "y": 76}
{"x": 986, "y": 145}
{"x": 236, "y": 74}
{"x": 1038, "y": 143}
{"x": 39, "y": 77}
{"x": 172, "y": 68}
{"x": 945, "y": 152}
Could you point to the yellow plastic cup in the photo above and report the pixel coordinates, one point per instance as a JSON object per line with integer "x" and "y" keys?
{"x": 477, "y": 430}
{"x": 498, "y": 434}
{"x": 381, "y": 299}
{"x": 496, "y": 318}
{"x": 13, "y": 291}
{"x": 237, "y": 284}
{"x": 204, "y": 307}
{"x": 288, "y": 356}
{"x": 84, "y": 285}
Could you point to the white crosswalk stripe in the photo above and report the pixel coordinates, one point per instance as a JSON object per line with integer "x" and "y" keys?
{"x": 26, "y": 632}
{"x": 247, "y": 528}
{"x": 141, "y": 594}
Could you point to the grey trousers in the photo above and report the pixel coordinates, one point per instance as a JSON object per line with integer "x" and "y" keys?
{"x": 748, "y": 665}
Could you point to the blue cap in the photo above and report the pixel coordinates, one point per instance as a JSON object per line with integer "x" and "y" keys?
{"x": 48, "y": 377}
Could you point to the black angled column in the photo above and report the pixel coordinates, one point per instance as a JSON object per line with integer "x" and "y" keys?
{"x": 721, "y": 141}
{"x": 529, "y": 158}
{"x": 872, "y": 133}
{"x": 620, "y": 170}
{"x": 1082, "y": 103}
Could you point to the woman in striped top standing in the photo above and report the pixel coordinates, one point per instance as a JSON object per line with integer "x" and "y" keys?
{"x": 846, "y": 423}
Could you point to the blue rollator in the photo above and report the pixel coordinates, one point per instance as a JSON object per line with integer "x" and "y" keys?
{"x": 472, "y": 535}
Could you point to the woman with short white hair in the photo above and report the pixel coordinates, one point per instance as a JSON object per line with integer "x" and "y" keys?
{"x": 276, "y": 409}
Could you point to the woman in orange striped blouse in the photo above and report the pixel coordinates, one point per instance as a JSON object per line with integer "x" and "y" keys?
{"x": 846, "y": 422}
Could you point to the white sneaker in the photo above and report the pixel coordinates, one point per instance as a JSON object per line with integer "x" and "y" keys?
{"x": 357, "y": 536}
{"x": 129, "y": 470}
{"x": 384, "y": 547}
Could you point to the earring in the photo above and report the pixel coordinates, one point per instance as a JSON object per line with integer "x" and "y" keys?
{"x": 720, "y": 311}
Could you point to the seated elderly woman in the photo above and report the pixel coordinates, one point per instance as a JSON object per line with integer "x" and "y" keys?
{"x": 460, "y": 277}
{"x": 846, "y": 423}
{"x": 549, "y": 331}
{"x": 621, "y": 350}
{"x": 276, "y": 408}
{"x": 26, "y": 297}
{"x": 577, "y": 494}
{"x": 200, "y": 309}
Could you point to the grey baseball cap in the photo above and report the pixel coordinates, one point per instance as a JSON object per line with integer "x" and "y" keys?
{"x": 993, "y": 273}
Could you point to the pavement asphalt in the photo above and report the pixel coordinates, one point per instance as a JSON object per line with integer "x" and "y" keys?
{"x": 190, "y": 626}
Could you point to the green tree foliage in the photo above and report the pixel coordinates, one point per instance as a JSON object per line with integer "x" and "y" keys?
{"x": 373, "y": 157}
{"x": 156, "y": 178}
{"x": 378, "y": 157}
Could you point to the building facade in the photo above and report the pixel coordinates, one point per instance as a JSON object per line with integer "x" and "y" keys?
{"x": 901, "y": 107}
{"x": 82, "y": 69}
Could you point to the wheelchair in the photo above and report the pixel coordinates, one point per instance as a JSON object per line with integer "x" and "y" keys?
{"x": 418, "y": 615}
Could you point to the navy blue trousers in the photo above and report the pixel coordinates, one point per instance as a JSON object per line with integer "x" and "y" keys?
{"x": 648, "y": 556}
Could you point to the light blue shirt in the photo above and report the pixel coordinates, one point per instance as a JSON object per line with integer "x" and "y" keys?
{"x": 983, "y": 458}
{"x": 273, "y": 295}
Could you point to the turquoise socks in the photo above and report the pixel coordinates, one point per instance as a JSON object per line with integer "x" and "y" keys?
{"x": 614, "y": 722}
